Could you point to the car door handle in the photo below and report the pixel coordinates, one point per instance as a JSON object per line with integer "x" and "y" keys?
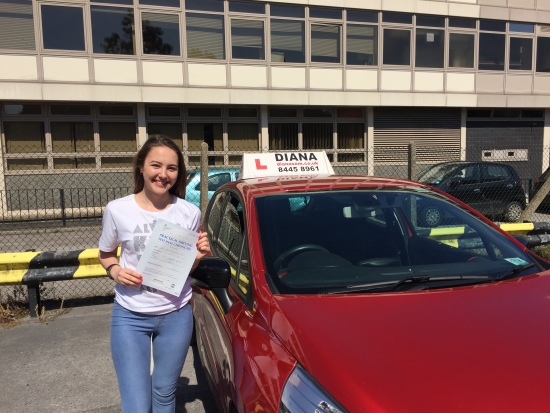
{"x": 477, "y": 190}
{"x": 509, "y": 186}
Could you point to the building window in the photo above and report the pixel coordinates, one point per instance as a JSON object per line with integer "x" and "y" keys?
{"x": 161, "y": 34}
{"x": 204, "y": 112}
{"x": 117, "y": 136}
{"x": 66, "y": 36}
{"x": 205, "y": 36}
{"x": 461, "y": 50}
{"x": 113, "y": 30}
{"x": 172, "y": 130}
{"x": 16, "y": 25}
{"x": 211, "y": 133}
{"x": 317, "y": 113}
{"x": 165, "y": 3}
{"x": 243, "y": 137}
{"x": 71, "y": 110}
{"x": 521, "y": 53}
{"x": 246, "y": 7}
{"x": 24, "y": 137}
{"x": 74, "y": 163}
{"x": 351, "y": 136}
{"x": 242, "y": 112}
{"x": 72, "y": 137}
{"x": 283, "y": 136}
{"x": 397, "y": 47}
{"x": 164, "y": 111}
{"x": 543, "y": 57}
{"x": 325, "y": 13}
{"x": 362, "y": 45}
{"x": 430, "y": 48}
{"x": 204, "y": 5}
{"x": 491, "y": 51}
{"x": 325, "y": 43}
{"x": 287, "y": 41}
{"x": 398, "y": 18}
{"x": 247, "y": 39}
{"x": 430, "y": 21}
{"x": 317, "y": 136}
{"x": 282, "y": 10}
{"x": 283, "y": 112}
{"x": 110, "y": 109}
{"x": 462, "y": 23}
{"x": 521, "y": 27}
{"x": 22, "y": 109}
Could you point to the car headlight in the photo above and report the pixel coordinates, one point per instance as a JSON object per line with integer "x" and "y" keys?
{"x": 302, "y": 394}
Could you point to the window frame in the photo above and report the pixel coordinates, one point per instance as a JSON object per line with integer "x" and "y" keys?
{"x": 229, "y": 36}
{"x": 341, "y": 23}
{"x": 86, "y": 25}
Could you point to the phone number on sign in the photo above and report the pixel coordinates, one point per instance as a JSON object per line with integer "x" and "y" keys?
{"x": 298, "y": 169}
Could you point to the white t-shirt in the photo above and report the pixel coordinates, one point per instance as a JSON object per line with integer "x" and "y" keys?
{"x": 126, "y": 223}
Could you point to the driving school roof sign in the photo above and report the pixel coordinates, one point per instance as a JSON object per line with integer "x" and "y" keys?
{"x": 257, "y": 165}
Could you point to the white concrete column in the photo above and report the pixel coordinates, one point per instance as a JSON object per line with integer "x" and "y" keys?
{"x": 264, "y": 125}
{"x": 142, "y": 124}
{"x": 463, "y": 115}
{"x": 546, "y": 141}
{"x": 370, "y": 141}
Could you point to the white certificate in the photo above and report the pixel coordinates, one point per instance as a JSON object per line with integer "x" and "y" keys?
{"x": 168, "y": 257}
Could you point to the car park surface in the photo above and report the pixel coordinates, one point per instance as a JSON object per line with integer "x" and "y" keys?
{"x": 346, "y": 302}
{"x": 494, "y": 189}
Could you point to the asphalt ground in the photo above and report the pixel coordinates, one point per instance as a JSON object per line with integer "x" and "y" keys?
{"x": 65, "y": 366}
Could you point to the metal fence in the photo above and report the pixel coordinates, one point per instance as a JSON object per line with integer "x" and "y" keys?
{"x": 44, "y": 206}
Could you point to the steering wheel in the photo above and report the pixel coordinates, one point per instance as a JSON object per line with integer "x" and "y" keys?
{"x": 285, "y": 257}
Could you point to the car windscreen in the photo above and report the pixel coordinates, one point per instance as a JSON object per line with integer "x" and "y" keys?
{"x": 437, "y": 173}
{"x": 338, "y": 241}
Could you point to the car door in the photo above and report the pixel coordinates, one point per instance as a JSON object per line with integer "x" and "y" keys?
{"x": 221, "y": 330}
{"x": 464, "y": 184}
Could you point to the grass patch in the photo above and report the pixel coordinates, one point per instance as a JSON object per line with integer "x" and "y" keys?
{"x": 45, "y": 317}
{"x": 11, "y": 314}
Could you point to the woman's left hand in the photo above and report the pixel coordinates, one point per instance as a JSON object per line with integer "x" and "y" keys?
{"x": 203, "y": 246}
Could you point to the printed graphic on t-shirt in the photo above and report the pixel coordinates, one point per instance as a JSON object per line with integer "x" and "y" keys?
{"x": 139, "y": 244}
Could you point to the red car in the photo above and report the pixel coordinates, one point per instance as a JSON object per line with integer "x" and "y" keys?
{"x": 328, "y": 295}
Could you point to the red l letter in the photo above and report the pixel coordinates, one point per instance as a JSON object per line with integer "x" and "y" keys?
{"x": 259, "y": 165}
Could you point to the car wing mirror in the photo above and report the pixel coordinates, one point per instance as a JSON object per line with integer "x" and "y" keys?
{"x": 214, "y": 274}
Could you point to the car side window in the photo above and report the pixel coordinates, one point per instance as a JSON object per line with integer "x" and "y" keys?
{"x": 232, "y": 247}
{"x": 214, "y": 216}
{"x": 215, "y": 181}
{"x": 467, "y": 175}
{"x": 493, "y": 173}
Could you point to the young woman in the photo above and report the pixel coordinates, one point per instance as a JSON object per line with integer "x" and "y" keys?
{"x": 141, "y": 314}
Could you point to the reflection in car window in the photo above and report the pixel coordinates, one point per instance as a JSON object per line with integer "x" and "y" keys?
{"x": 436, "y": 173}
{"x": 214, "y": 217}
{"x": 348, "y": 238}
{"x": 467, "y": 175}
{"x": 494, "y": 173}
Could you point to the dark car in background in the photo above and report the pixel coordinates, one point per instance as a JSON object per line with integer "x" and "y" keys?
{"x": 493, "y": 189}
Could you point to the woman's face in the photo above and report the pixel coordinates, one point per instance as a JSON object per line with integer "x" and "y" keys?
{"x": 160, "y": 170}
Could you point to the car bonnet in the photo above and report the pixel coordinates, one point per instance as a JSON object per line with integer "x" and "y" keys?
{"x": 481, "y": 348}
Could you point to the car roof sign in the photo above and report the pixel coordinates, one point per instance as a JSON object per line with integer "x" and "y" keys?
{"x": 303, "y": 163}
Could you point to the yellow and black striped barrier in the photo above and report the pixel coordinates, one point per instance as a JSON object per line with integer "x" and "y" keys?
{"x": 33, "y": 268}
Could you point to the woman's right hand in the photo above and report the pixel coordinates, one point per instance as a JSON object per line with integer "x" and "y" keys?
{"x": 126, "y": 276}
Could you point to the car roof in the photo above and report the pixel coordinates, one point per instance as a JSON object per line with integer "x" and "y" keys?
{"x": 254, "y": 187}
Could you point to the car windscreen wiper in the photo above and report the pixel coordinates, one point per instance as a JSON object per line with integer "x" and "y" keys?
{"x": 413, "y": 280}
{"x": 514, "y": 271}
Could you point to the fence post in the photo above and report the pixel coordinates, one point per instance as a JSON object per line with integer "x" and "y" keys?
{"x": 62, "y": 200}
{"x": 35, "y": 306}
{"x": 204, "y": 177}
{"x": 411, "y": 172}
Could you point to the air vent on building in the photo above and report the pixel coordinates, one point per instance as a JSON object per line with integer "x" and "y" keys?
{"x": 505, "y": 155}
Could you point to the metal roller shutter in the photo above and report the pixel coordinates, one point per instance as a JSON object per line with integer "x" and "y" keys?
{"x": 436, "y": 132}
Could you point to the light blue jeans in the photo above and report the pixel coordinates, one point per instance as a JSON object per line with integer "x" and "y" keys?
{"x": 131, "y": 333}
